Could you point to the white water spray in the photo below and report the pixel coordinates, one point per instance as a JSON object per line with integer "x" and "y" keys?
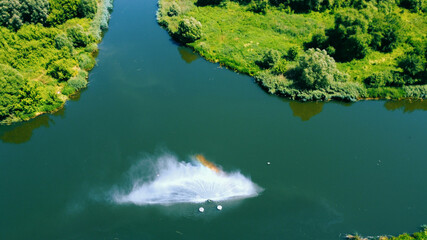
{"x": 181, "y": 182}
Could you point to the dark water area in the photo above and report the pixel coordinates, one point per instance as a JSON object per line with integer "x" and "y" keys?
{"x": 335, "y": 168}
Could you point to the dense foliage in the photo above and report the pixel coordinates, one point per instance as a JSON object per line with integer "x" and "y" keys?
{"x": 45, "y": 58}
{"x": 15, "y": 13}
{"x": 421, "y": 235}
{"x": 367, "y": 48}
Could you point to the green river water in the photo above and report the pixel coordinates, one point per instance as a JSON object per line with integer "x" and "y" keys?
{"x": 335, "y": 168}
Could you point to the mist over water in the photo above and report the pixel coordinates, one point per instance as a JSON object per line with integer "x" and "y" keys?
{"x": 172, "y": 181}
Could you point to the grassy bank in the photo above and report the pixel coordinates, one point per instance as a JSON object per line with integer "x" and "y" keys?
{"x": 45, "y": 55}
{"x": 378, "y": 54}
{"x": 421, "y": 235}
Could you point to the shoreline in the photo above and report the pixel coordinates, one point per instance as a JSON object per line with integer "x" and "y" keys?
{"x": 98, "y": 26}
{"x": 217, "y": 45}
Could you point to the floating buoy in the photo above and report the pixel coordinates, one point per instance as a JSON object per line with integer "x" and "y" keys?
{"x": 201, "y": 209}
{"x": 219, "y": 207}
{"x": 268, "y": 163}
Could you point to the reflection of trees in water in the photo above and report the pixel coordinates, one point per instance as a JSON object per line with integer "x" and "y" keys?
{"x": 187, "y": 54}
{"x": 306, "y": 110}
{"x": 406, "y": 105}
{"x": 22, "y": 132}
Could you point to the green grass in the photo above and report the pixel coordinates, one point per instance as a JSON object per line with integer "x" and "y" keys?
{"x": 237, "y": 38}
{"x": 28, "y": 56}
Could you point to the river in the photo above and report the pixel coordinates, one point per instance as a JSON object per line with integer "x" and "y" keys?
{"x": 334, "y": 168}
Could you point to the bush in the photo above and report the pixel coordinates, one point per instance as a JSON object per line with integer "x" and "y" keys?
{"x": 413, "y": 5}
{"x": 303, "y": 6}
{"x": 189, "y": 30}
{"x": 292, "y": 54}
{"x": 62, "y": 69}
{"x": 62, "y": 10}
{"x": 78, "y": 36}
{"x": 280, "y": 67}
{"x": 14, "y": 13}
{"x": 318, "y": 40}
{"x": 208, "y": 2}
{"x": 91, "y": 48}
{"x": 270, "y": 58}
{"x": 87, "y": 8}
{"x": 17, "y": 97}
{"x": 386, "y": 32}
{"x": 349, "y": 37}
{"x": 86, "y": 62}
{"x": 419, "y": 91}
{"x": 258, "y": 6}
{"x": 61, "y": 40}
{"x": 379, "y": 79}
{"x": 412, "y": 65}
{"x": 316, "y": 70}
{"x": 174, "y": 10}
{"x": 79, "y": 81}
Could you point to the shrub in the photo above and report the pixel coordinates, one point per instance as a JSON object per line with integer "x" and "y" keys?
{"x": 61, "y": 40}
{"x": 62, "y": 69}
{"x": 316, "y": 69}
{"x": 14, "y": 13}
{"x": 174, "y": 10}
{"x": 412, "y": 65}
{"x": 17, "y": 97}
{"x": 349, "y": 37}
{"x": 292, "y": 54}
{"x": 413, "y": 5}
{"x": 280, "y": 67}
{"x": 87, "y": 8}
{"x": 258, "y": 6}
{"x": 385, "y": 31}
{"x": 86, "y": 62}
{"x": 189, "y": 30}
{"x": 79, "y": 81}
{"x": 318, "y": 40}
{"x": 91, "y": 48}
{"x": 418, "y": 91}
{"x": 62, "y": 10}
{"x": 78, "y": 36}
{"x": 379, "y": 79}
{"x": 208, "y": 2}
{"x": 270, "y": 58}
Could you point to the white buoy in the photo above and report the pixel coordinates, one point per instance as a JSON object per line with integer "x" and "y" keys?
{"x": 268, "y": 163}
{"x": 219, "y": 207}
{"x": 201, "y": 209}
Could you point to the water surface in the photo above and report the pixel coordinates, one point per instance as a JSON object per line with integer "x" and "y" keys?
{"x": 335, "y": 168}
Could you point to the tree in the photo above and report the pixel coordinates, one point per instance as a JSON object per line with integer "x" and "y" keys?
{"x": 35, "y": 11}
{"x": 87, "y": 8}
{"x": 292, "y": 54}
{"x": 270, "y": 59}
{"x": 316, "y": 70}
{"x": 78, "y": 36}
{"x": 208, "y": 2}
{"x": 61, "y": 40}
{"x": 62, "y": 10}
{"x": 412, "y": 64}
{"x": 349, "y": 37}
{"x": 413, "y": 5}
{"x": 385, "y": 31}
{"x": 17, "y": 97}
{"x": 62, "y": 69}
{"x": 14, "y": 13}
{"x": 258, "y": 6}
{"x": 189, "y": 30}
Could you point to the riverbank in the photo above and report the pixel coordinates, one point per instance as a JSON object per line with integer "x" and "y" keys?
{"x": 47, "y": 59}
{"x": 421, "y": 235}
{"x": 271, "y": 42}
